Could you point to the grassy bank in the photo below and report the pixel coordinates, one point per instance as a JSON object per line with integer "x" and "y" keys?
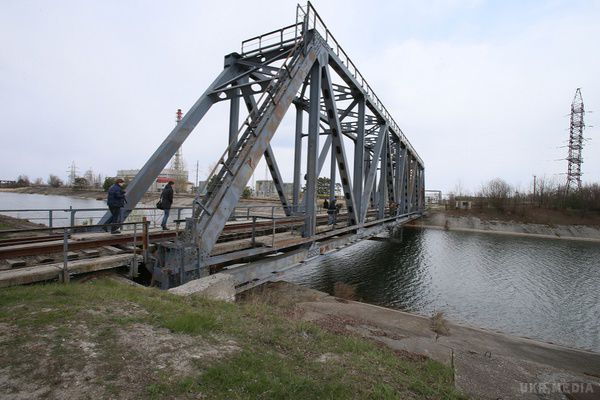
{"x": 105, "y": 338}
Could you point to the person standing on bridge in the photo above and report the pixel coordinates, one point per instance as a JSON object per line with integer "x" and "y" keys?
{"x": 116, "y": 200}
{"x": 331, "y": 211}
{"x": 166, "y": 201}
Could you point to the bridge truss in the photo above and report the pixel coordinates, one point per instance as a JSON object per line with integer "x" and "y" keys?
{"x": 301, "y": 65}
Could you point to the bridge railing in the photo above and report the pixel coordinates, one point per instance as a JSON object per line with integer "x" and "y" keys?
{"x": 71, "y": 217}
{"x": 271, "y": 40}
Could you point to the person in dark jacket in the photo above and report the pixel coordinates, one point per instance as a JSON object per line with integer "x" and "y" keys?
{"x": 166, "y": 200}
{"x": 116, "y": 200}
{"x": 332, "y": 211}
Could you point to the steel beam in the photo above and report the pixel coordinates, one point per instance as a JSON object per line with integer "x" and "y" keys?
{"x": 338, "y": 145}
{"x": 234, "y": 118}
{"x": 310, "y": 221}
{"x": 297, "y": 159}
{"x": 359, "y": 154}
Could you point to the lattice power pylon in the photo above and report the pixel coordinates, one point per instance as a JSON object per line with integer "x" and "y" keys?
{"x": 300, "y": 65}
{"x": 575, "y": 142}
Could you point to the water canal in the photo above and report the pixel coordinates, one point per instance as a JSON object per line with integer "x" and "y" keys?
{"x": 539, "y": 288}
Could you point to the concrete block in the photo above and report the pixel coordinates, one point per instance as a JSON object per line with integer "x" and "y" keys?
{"x": 90, "y": 252}
{"x": 45, "y": 259}
{"x": 72, "y": 255}
{"x": 15, "y": 263}
{"x": 217, "y": 286}
{"x": 112, "y": 249}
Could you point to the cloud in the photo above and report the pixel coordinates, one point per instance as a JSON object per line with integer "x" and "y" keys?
{"x": 480, "y": 89}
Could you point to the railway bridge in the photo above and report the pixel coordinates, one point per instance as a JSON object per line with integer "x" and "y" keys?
{"x": 300, "y": 65}
{"x": 301, "y": 69}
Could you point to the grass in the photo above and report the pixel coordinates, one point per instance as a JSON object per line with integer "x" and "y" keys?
{"x": 53, "y": 330}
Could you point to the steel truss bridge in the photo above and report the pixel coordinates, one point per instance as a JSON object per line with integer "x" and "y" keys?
{"x": 301, "y": 65}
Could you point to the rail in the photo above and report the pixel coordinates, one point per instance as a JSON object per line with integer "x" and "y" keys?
{"x": 67, "y": 231}
{"x": 70, "y": 217}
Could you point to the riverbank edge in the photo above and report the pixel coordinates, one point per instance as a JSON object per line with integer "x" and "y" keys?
{"x": 472, "y": 224}
{"x": 532, "y": 235}
{"x": 486, "y": 364}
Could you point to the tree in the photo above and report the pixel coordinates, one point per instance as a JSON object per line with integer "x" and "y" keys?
{"x": 497, "y": 191}
{"x": 247, "y": 193}
{"x": 23, "y": 180}
{"x": 80, "y": 183}
{"x": 38, "y": 182}
{"x": 108, "y": 182}
{"x": 54, "y": 181}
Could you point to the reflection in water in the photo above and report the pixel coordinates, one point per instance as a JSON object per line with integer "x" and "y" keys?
{"x": 540, "y": 288}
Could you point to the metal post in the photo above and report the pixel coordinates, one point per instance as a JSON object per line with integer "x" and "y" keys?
{"x": 297, "y": 160}
{"x": 65, "y": 278}
{"x": 234, "y": 118}
{"x": 72, "y": 216}
{"x": 50, "y": 218}
{"x": 253, "y": 230}
{"x": 332, "y": 174}
{"x": 273, "y": 219}
{"x": 133, "y": 267}
{"x": 313, "y": 150}
{"x": 359, "y": 155}
{"x": 145, "y": 239}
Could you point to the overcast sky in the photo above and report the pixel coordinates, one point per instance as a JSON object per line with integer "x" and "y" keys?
{"x": 482, "y": 89}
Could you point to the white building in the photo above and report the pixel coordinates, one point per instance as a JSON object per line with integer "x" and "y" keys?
{"x": 167, "y": 174}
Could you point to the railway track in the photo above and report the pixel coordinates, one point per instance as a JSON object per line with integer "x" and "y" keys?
{"x": 50, "y": 244}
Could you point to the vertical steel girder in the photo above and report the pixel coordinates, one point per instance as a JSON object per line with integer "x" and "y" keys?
{"x": 297, "y": 159}
{"x": 401, "y": 180}
{"x": 389, "y": 171}
{"x": 359, "y": 165}
{"x": 310, "y": 219}
{"x": 234, "y": 116}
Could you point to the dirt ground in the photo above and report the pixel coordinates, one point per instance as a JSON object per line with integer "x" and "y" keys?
{"x": 7, "y": 222}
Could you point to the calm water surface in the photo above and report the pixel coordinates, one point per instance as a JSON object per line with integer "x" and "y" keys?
{"x": 539, "y": 288}
{"x": 12, "y": 201}
{"x": 20, "y": 201}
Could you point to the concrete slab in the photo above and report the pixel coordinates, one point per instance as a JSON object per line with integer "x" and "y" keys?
{"x": 45, "y": 259}
{"x": 487, "y": 365}
{"x": 15, "y": 263}
{"x": 90, "y": 252}
{"x": 113, "y": 249}
{"x": 72, "y": 255}
{"x": 217, "y": 286}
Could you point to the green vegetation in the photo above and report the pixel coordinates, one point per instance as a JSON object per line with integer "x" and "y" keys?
{"x": 104, "y": 338}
